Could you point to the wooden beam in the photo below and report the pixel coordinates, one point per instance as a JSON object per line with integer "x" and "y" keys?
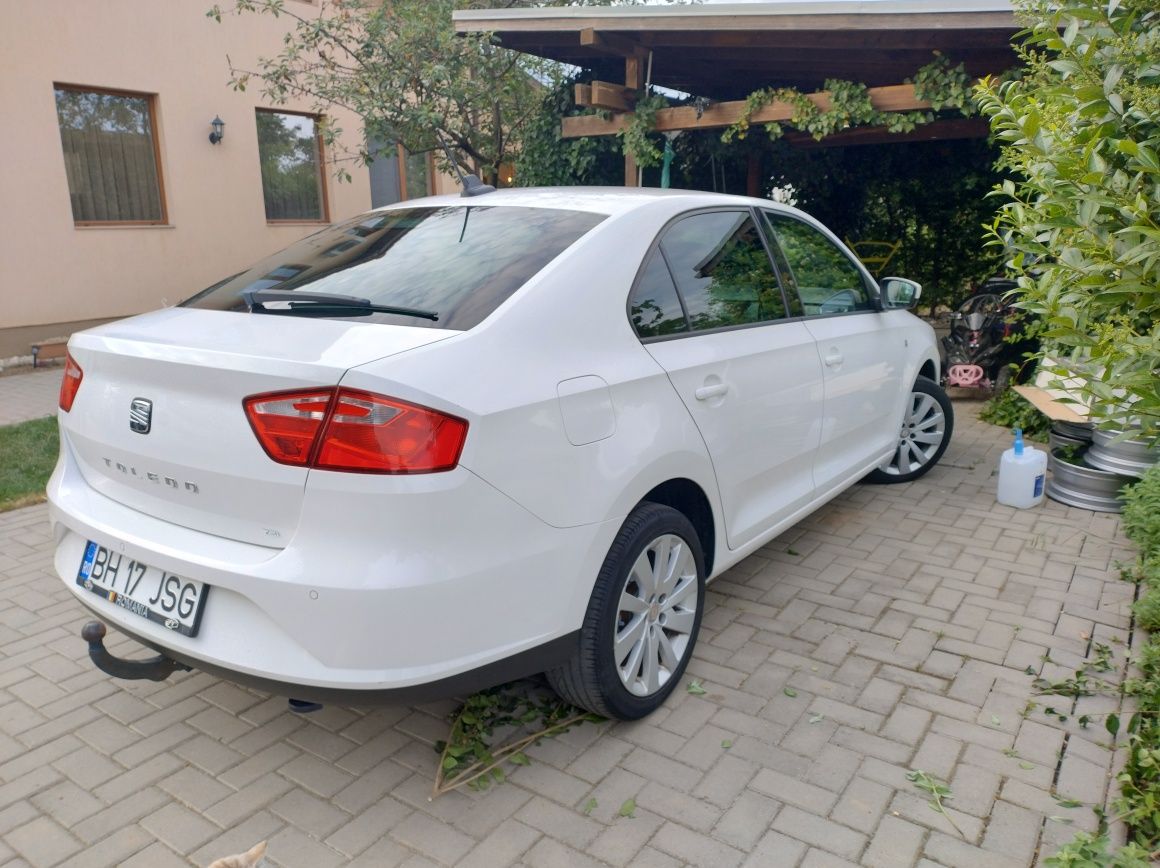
{"x": 615, "y": 44}
{"x": 634, "y": 80}
{"x": 892, "y": 98}
{"x": 605, "y": 95}
{"x": 634, "y": 72}
{"x": 583, "y": 94}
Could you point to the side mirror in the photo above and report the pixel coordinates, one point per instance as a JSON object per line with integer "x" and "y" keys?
{"x": 899, "y": 293}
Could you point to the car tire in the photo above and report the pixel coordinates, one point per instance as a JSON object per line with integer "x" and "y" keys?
{"x": 1002, "y": 381}
{"x": 927, "y": 426}
{"x": 642, "y": 620}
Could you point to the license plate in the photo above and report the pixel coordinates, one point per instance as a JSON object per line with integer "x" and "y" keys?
{"x": 165, "y": 599}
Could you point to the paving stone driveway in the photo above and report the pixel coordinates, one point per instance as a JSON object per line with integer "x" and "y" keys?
{"x": 902, "y": 618}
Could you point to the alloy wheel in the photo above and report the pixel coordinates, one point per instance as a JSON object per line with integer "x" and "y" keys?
{"x": 923, "y": 430}
{"x": 656, "y": 615}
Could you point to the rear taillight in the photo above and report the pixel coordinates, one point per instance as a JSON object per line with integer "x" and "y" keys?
{"x": 346, "y": 429}
{"x": 287, "y": 423}
{"x": 70, "y": 383}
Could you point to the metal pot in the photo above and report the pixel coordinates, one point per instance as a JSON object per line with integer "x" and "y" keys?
{"x": 1076, "y": 484}
{"x": 1075, "y": 430}
{"x": 1069, "y": 434}
{"x": 1127, "y": 457}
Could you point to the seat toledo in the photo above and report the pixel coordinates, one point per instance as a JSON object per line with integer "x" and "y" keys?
{"x": 461, "y": 440}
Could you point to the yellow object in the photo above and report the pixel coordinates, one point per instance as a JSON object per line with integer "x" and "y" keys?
{"x": 875, "y": 255}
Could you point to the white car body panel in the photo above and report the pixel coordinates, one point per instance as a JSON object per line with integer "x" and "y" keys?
{"x": 368, "y": 582}
{"x": 762, "y": 430}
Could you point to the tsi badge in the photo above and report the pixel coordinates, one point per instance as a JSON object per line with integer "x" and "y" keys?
{"x": 141, "y": 415}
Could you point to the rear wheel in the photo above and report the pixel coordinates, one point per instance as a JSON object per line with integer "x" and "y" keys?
{"x": 927, "y": 423}
{"x": 642, "y": 619}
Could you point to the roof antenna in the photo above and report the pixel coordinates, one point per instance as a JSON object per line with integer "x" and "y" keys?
{"x": 471, "y": 184}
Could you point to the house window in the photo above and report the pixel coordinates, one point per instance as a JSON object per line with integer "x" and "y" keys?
{"x": 418, "y": 172}
{"x": 111, "y": 160}
{"x": 290, "y": 151}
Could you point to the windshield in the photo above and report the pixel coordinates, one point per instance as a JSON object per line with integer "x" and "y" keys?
{"x": 460, "y": 262}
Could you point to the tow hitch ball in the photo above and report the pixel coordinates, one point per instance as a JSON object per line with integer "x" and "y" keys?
{"x": 154, "y": 669}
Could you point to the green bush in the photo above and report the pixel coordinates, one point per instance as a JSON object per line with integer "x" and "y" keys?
{"x": 1141, "y": 517}
{"x": 1009, "y": 410}
{"x": 1081, "y": 129}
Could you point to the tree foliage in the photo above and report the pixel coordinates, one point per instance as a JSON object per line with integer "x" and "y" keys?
{"x": 546, "y": 159}
{"x": 399, "y": 66}
{"x": 1081, "y": 129}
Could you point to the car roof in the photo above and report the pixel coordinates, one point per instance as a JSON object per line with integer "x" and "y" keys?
{"x": 600, "y": 200}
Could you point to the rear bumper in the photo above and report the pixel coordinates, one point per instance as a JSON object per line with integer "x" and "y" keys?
{"x": 530, "y": 662}
{"x": 440, "y": 588}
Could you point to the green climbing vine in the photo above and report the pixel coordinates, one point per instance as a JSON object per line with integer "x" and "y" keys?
{"x": 804, "y": 111}
{"x": 635, "y": 135}
{"x": 942, "y": 85}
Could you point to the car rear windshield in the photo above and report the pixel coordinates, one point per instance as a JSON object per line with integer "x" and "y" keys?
{"x": 458, "y": 262}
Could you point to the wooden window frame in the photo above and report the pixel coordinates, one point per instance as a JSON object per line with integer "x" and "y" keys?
{"x": 323, "y": 187}
{"x": 151, "y": 99}
{"x": 401, "y": 153}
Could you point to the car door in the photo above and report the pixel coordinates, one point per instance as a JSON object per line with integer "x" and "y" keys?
{"x": 861, "y": 352}
{"x": 709, "y": 308}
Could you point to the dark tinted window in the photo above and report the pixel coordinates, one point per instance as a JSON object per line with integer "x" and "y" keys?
{"x": 722, "y": 270}
{"x": 459, "y": 261}
{"x": 826, "y": 280}
{"x": 654, "y": 306}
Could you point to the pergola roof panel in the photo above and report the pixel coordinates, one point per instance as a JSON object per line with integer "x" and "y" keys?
{"x": 725, "y": 51}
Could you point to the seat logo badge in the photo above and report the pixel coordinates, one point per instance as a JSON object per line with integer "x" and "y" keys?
{"x": 171, "y": 623}
{"x": 141, "y": 415}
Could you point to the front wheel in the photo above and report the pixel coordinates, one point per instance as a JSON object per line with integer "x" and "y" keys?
{"x": 926, "y": 429}
{"x": 642, "y": 619}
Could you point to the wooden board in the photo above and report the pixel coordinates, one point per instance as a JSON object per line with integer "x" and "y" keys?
{"x": 1056, "y": 411}
{"x": 892, "y": 98}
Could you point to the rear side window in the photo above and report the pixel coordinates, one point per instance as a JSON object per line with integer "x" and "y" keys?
{"x": 721, "y": 268}
{"x": 827, "y": 281}
{"x": 654, "y": 305}
{"x": 460, "y": 262}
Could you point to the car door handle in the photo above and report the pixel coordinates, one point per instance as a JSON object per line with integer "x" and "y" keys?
{"x": 833, "y": 359}
{"x": 706, "y": 392}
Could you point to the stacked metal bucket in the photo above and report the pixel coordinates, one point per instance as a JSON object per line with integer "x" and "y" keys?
{"x": 1089, "y": 467}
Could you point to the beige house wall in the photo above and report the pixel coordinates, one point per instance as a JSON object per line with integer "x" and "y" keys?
{"x": 54, "y": 274}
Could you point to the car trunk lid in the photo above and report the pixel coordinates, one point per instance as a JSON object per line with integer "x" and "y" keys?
{"x": 158, "y": 423}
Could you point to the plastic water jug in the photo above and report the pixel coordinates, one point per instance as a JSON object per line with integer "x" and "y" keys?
{"x": 1021, "y": 473}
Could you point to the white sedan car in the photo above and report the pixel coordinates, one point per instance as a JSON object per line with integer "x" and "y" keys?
{"x": 461, "y": 440}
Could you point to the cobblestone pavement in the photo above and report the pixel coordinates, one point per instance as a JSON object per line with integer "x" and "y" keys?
{"x": 29, "y": 395}
{"x": 890, "y": 631}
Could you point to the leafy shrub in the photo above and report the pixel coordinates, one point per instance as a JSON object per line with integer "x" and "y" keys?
{"x": 1141, "y": 517}
{"x": 1009, "y": 410}
{"x": 1081, "y": 128}
{"x": 1090, "y": 851}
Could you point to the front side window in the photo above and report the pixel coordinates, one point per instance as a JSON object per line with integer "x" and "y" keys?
{"x": 446, "y": 267}
{"x": 110, "y": 156}
{"x": 290, "y": 152}
{"x": 721, "y": 268}
{"x": 827, "y": 281}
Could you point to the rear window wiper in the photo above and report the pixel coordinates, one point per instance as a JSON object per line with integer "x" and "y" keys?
{"x": 316, "y": 303}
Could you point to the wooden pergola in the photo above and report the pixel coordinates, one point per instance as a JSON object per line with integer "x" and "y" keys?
{"x": 721, "y": 52}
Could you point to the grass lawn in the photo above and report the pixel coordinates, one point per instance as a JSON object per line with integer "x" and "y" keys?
{"x": 27, "y": 456}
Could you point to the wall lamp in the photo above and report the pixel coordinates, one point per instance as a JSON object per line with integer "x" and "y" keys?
{"x": 219, "y": 130}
